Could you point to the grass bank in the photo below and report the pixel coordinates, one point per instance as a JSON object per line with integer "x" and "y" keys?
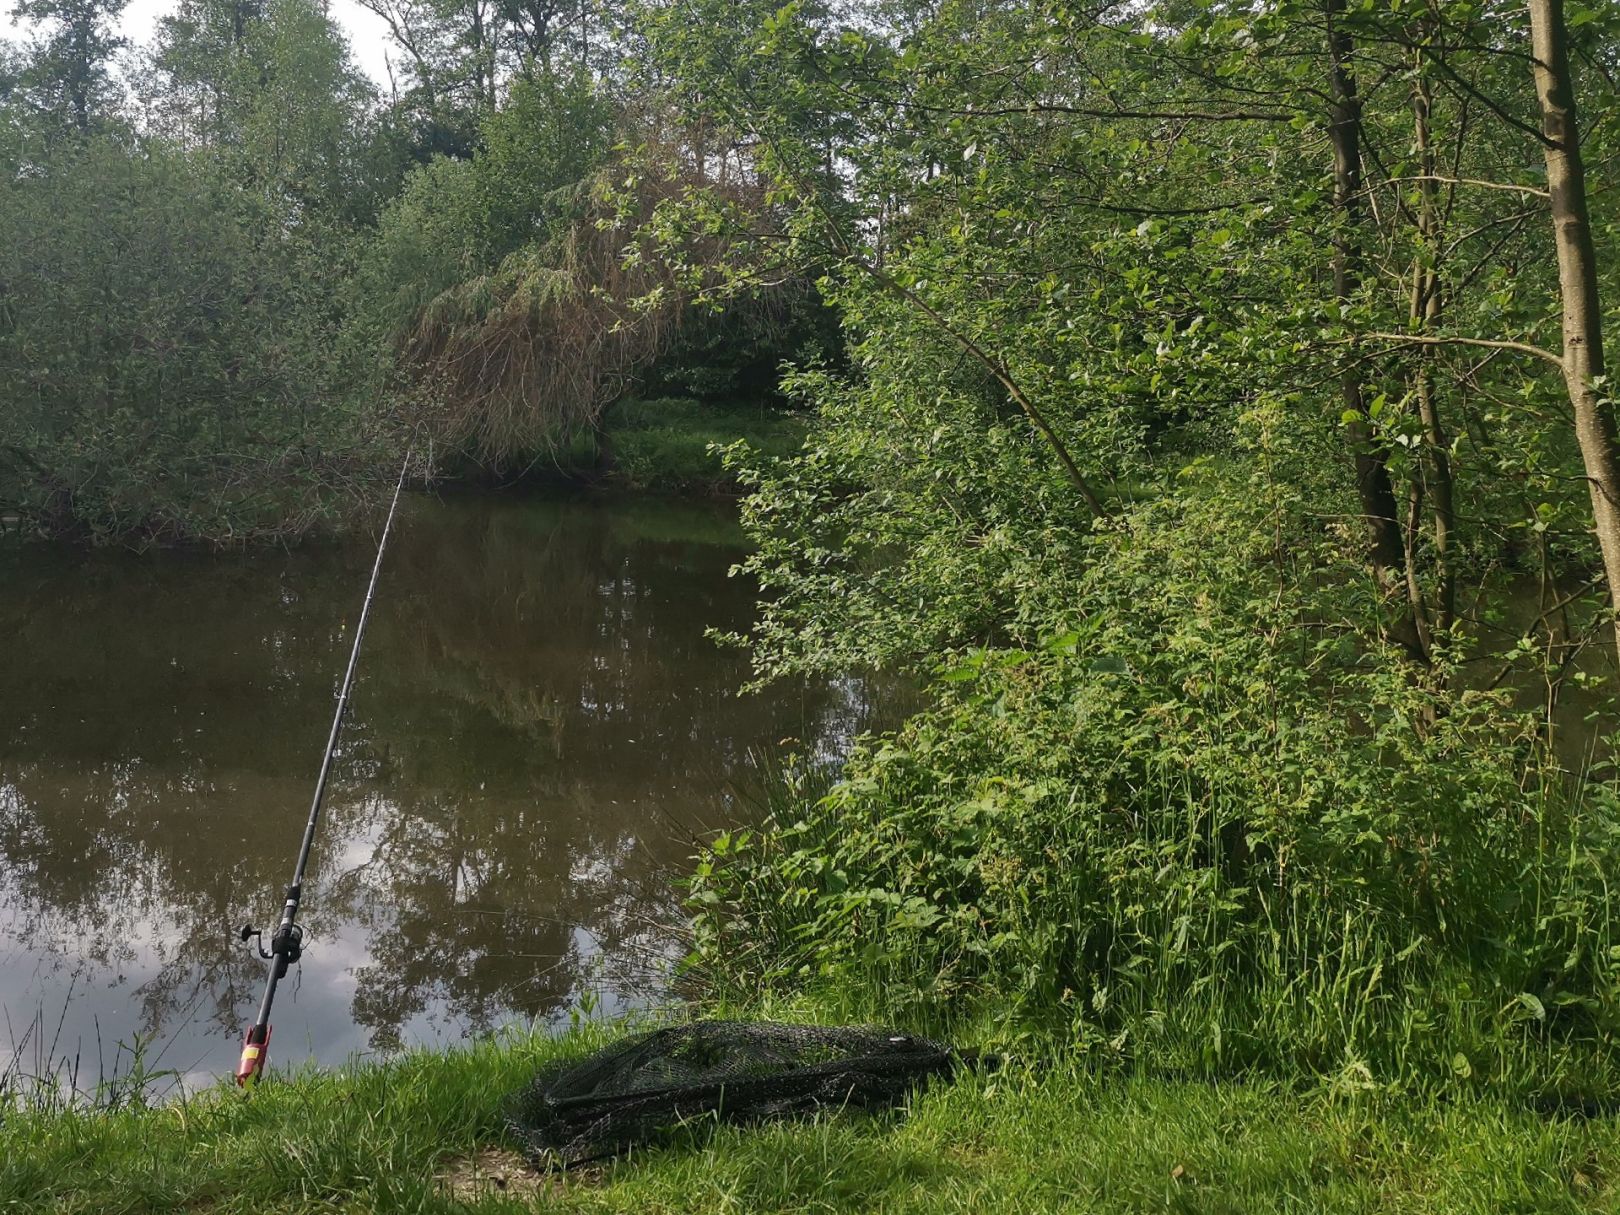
{"x": 424, "y": 1134}
{"x": 666, "y": 443}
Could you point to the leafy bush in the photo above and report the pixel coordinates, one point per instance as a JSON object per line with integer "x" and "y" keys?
{"x": 1203, "y": 827}
{"x": 171, "y": 354}
{"x": 456, "y": 220}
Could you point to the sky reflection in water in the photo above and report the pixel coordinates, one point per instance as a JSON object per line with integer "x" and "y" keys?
{"x": 539, "y": 729}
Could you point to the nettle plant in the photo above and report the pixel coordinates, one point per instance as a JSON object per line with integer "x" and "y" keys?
{"x": 1186, "y": 814}
{"x": 1194, "y": 444}
{"x": 1203, "y": 826}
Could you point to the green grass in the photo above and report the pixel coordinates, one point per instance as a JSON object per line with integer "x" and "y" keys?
{"x": 380, "y": 1139}
{"x": 662, "y": 444}
{"x": 665, "y": 443}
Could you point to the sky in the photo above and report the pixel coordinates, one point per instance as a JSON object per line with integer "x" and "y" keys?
{"x": 368, "y": 36}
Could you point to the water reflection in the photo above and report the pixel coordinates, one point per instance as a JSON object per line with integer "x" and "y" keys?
{"x": 539, "y": 730}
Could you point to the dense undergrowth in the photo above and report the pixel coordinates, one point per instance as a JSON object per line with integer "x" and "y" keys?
{"x": 1272, "y": 692}
{"x": 1184, "y": 818}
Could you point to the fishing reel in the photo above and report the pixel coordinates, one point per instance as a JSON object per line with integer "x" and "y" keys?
{"x": 287, "y": 942}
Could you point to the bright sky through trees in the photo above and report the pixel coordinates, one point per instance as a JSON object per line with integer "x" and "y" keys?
{"x": 367, "y": 35}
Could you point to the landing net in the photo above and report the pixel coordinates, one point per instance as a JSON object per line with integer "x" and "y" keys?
{"x": 635, "y": 1091}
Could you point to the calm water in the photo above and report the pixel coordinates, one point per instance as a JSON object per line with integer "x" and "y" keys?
{"x": 539, "y": 729}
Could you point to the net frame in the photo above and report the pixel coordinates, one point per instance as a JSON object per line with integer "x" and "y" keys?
{"x": 635, "y": 1091}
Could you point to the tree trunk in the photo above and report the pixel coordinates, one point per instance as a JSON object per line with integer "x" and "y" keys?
{"x": 1577, "y": 280}
{"x": 80, "y": 74}
{"x": 1425, "y": 318}
{"x": 1373, "y": 485}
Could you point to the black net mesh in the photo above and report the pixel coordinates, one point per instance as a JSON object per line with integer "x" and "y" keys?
{"x": 634, "y": 1090}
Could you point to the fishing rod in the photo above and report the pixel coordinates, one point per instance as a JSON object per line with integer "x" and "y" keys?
{"x": 287, "y": 942}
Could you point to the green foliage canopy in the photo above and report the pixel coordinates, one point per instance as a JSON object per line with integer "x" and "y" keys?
{"x": 165, "y": 341}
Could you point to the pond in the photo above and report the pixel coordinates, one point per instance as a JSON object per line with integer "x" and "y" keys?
{"x": 540, "y": 731}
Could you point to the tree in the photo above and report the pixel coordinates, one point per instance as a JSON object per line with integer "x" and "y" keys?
{"x": 1582, "y": 362}
{"x": 271, "y": 92}
{"x": 66, "y": 75}
{"x": 1238, "y": 257}
{"x": 1349, "y": 196}
{"x": 171, "y": 357}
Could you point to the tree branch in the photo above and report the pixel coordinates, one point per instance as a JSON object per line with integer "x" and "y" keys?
{"x": 1471, "y": 181}
{"x": 1490, "y": 104}
{"x": 1415, "y": 339}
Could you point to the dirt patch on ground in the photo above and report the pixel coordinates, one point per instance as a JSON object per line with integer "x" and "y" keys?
{"x": 496, "y": 1171}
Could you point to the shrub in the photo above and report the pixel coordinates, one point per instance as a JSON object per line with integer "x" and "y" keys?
{"x": 1201, "y": 829}
{"x": 170, "y": 356}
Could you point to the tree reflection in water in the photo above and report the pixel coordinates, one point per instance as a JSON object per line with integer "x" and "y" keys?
{"x": 539, "y": 731}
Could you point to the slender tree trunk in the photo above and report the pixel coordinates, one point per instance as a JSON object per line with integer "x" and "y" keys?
{"x": 80, "y": 75}
{"x": 1373, "y": 484}
{"x": 1577, "y": 281}
{"x": 1425, "y": 318}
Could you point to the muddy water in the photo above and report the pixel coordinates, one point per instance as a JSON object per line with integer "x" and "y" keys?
{"x": 539, "y": 730}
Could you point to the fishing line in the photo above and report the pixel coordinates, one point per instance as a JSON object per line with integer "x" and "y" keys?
{"x": 287, "y": 942}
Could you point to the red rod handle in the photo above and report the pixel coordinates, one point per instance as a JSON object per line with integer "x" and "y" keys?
{"x": 255, "y": 1048}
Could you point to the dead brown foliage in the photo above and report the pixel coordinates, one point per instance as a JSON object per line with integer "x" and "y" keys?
{"x": 519, "y": 361}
